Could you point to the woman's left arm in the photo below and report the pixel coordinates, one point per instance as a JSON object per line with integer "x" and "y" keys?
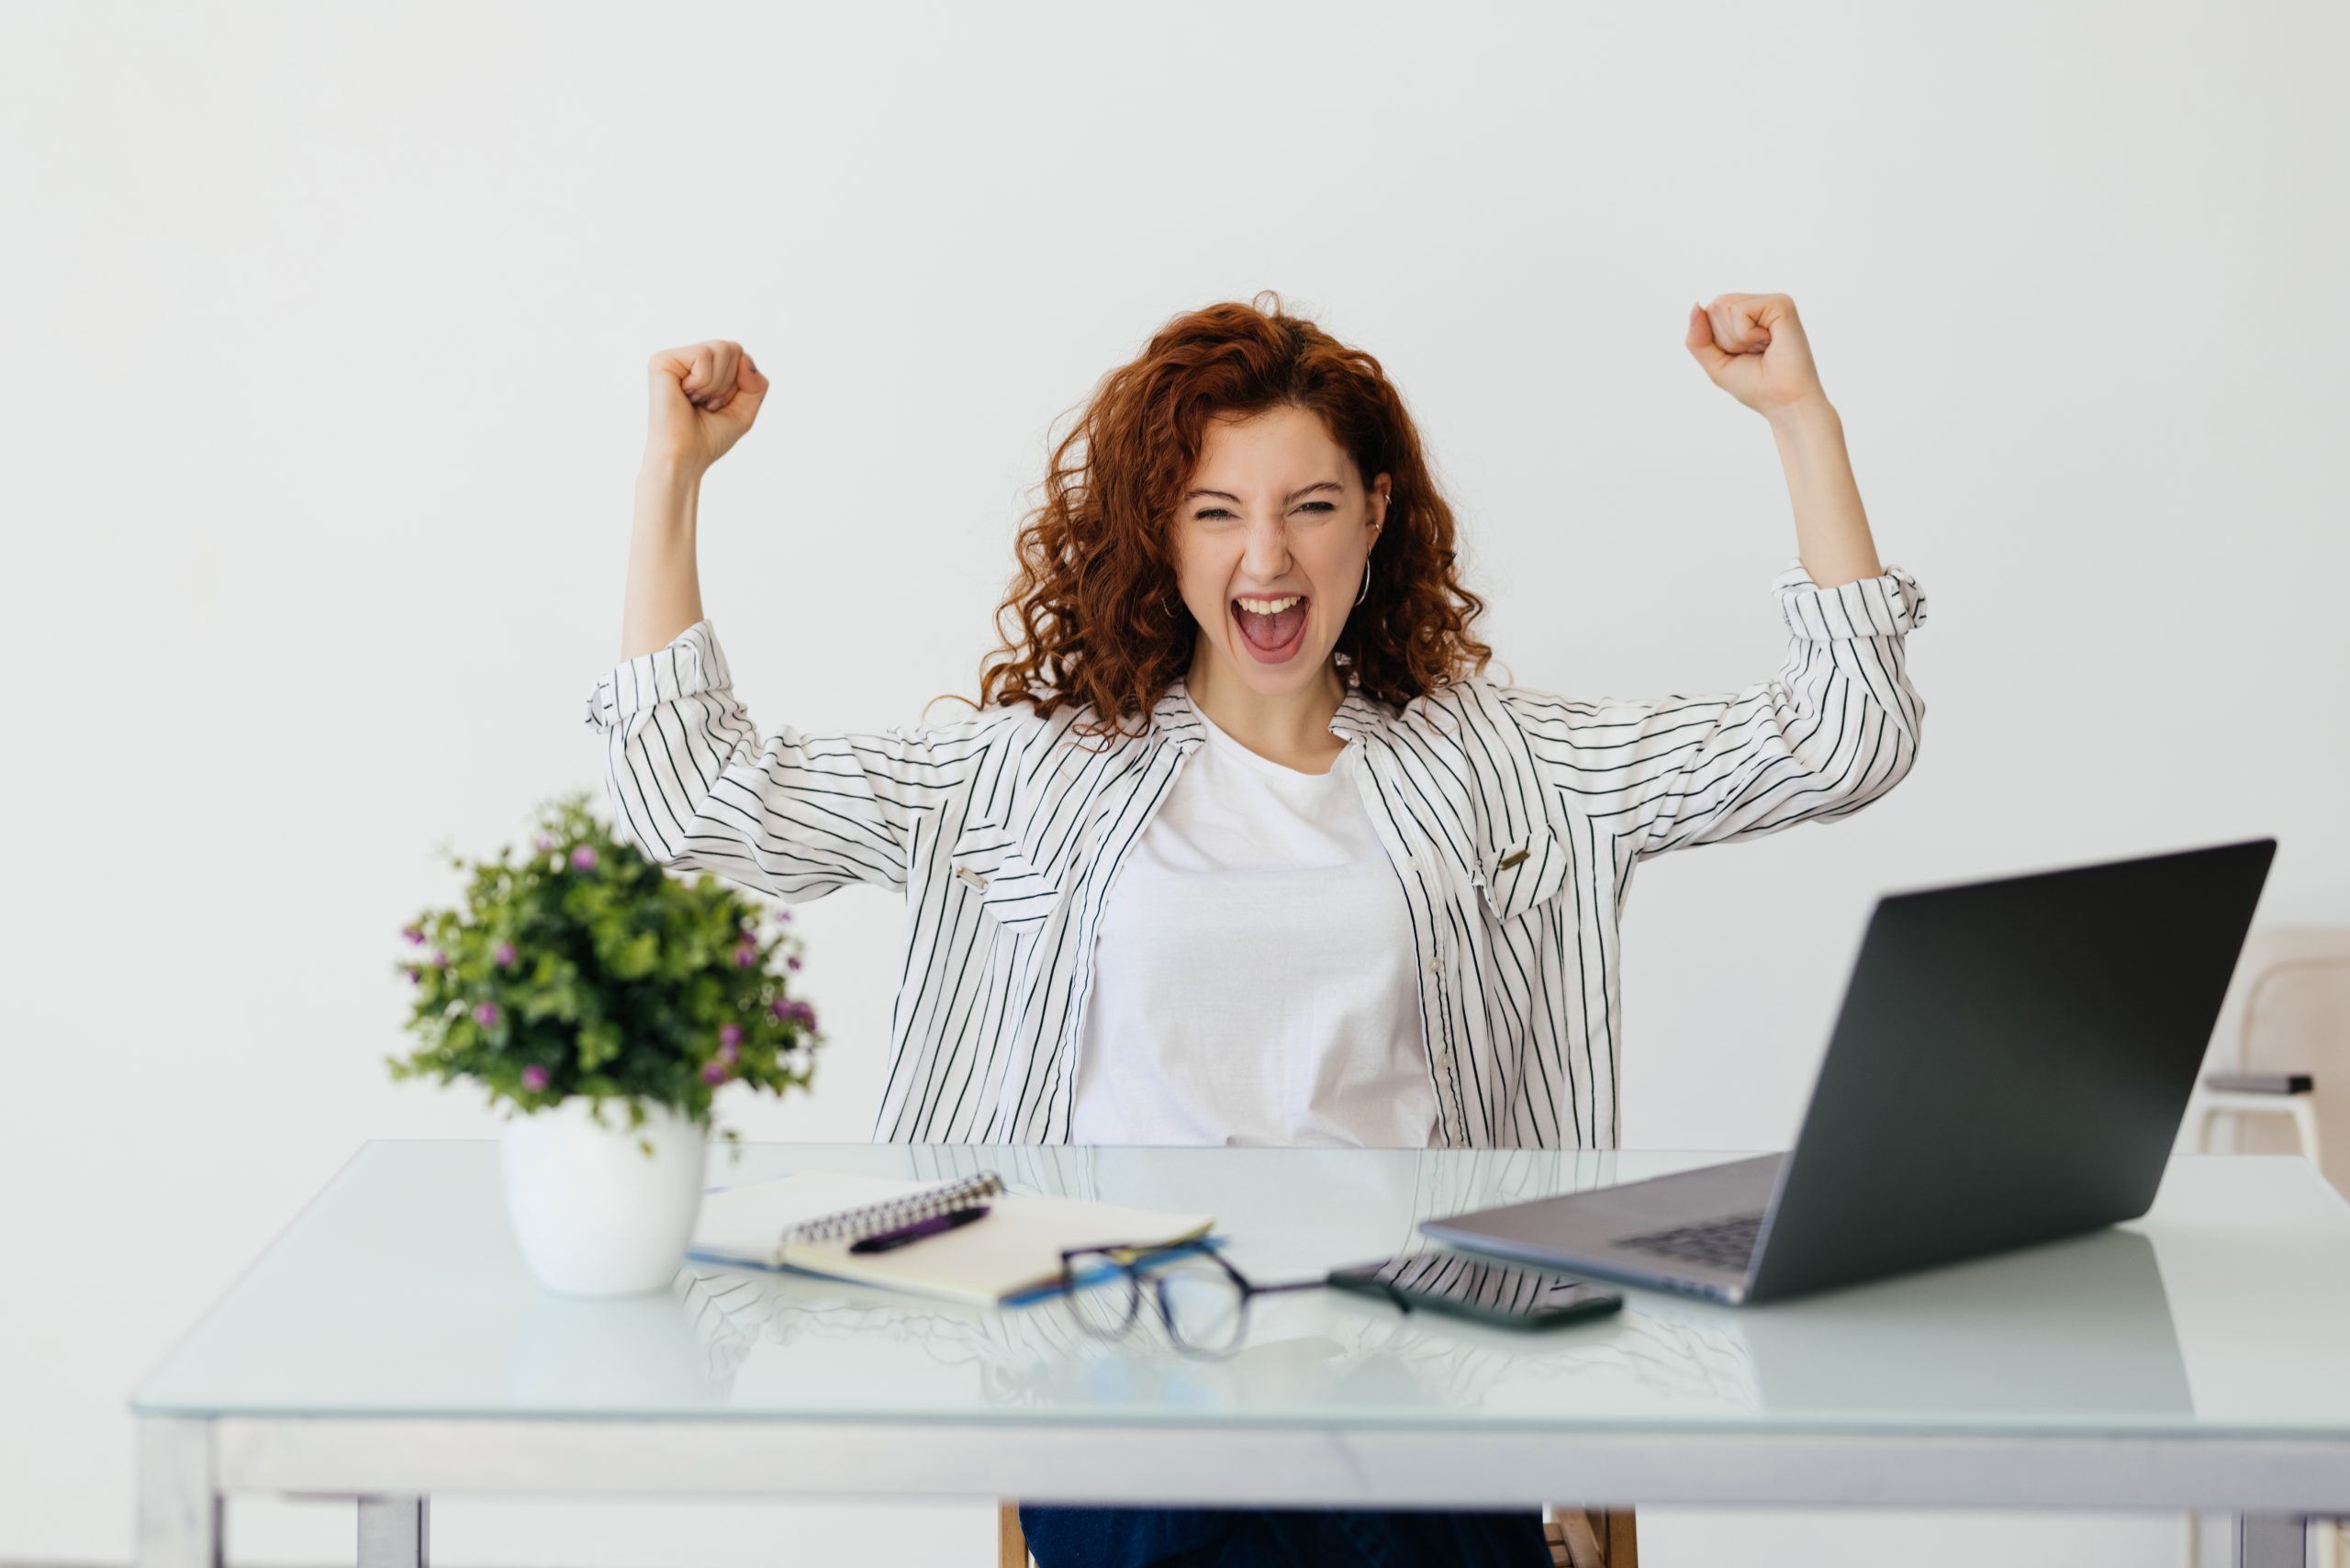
{"x": 1836, "y": 728}
{"x": 1840, "y": 723}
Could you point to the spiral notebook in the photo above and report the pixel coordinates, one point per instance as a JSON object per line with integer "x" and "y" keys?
{"x": 1010, "y": 1254}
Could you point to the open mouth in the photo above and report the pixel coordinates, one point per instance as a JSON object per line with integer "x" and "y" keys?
{"x": 1272, "y": 637}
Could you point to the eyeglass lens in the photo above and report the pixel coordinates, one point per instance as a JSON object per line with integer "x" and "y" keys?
{"x": 1203, "y": 1303}
{"x": 1105, "y": 1307}
{"x": 1198, "y": 1298}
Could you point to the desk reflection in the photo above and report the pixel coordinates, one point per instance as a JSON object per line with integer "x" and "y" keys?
{"x": 2077, "y": 1330}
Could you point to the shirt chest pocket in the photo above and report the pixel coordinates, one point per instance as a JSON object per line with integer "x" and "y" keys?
{"x": 1013, "y": 892}
{"x": 1521, "y": 873}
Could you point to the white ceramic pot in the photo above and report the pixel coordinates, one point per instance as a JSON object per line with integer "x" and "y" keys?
{"x": 594, "y": 1214}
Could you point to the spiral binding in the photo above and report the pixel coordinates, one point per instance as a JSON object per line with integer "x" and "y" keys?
{"x": 871, "y": 1219}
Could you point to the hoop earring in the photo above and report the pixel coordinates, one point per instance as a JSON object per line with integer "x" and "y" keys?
{"x": 1366, "y": 582}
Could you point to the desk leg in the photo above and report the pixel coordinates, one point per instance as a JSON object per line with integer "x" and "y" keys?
{"x": 2270, "y": 1541}
{"x": 392, "y": 1532}
{"x": 179, "y": 1512}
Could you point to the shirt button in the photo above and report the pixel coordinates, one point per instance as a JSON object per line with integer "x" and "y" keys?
{"x": 1435, "y": 966}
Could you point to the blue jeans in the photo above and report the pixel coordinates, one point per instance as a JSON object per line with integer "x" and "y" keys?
{"x": 1284, "y": 1538}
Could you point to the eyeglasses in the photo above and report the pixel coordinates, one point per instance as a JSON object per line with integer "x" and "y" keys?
{"x": 1203, "y": 1299}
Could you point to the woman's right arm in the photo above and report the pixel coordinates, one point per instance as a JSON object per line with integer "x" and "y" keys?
{"x": 691, "y": 781}
{"x": 701, "y": 399}
{"x": 664, "y": 584}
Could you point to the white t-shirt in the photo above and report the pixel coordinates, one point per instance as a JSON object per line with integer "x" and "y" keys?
{"x": 1254, "y": 981}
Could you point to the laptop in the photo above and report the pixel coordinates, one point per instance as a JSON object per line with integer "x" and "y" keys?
{"x": 2010, "y": 1065}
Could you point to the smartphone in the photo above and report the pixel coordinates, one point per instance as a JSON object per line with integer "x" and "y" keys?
{"x": 1514, "y": 1294}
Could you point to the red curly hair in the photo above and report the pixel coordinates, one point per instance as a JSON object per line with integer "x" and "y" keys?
{"x": 1102, "y": 621}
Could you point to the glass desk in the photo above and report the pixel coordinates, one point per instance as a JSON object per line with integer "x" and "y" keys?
{"x": 390, "y": 1344}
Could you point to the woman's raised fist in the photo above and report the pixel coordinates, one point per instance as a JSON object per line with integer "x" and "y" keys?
{"x": 704, "y": 396}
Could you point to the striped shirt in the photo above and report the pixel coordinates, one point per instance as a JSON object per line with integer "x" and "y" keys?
{"x": 1513, "y": 819}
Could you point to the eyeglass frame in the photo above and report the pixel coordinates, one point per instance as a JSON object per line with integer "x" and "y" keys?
{"x": 1144, "y": 1253}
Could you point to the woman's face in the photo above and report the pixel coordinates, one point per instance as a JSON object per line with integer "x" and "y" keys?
{"x": 1275, "y": 512}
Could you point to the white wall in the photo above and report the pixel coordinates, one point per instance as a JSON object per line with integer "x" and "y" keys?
{"x": 322, "y": 391}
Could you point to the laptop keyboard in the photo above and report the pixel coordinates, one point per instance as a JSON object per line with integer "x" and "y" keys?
{"x": 1717, "y": 1243}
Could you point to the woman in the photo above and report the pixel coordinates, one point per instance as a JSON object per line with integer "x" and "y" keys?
{"x": 1242, "y": 732}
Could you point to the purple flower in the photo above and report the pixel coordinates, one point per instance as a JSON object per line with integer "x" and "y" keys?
{"x": 584, "y": 857}
{"x": 505, "y": 954}
{"x": 414, "y": 934}
{"x": 791, "y": 1009}
{"x": 784, "y": 915}
{"x": 545, "y": 843}
{"x": 793, "y": 962}
{"x": 485, "y": 1014}
{"x": 440, "y": 960}
{"x": 730, "y": 1053}
{"x": 415, "y": 976}
{"x": 745, "y": 956}
{"x": 713, "y": 1074}
{"x": 534, "y": 1078}
{"x": 730, "y": 1034}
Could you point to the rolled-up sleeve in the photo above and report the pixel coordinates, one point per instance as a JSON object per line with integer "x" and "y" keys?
{"x": 694, "y": 785}
{"x": 1837, "y": 727}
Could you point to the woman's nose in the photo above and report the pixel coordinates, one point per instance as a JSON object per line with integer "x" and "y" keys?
{"x": 1267, "y": 554}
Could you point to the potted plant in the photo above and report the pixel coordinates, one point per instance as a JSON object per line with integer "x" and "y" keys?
{"x": 583, "y": 974}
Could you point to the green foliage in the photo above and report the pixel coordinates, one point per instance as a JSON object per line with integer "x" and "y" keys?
{"x": 585, "y": 969}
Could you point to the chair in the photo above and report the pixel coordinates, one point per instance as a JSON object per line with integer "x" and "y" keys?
{"x": 1591, "y": 1538}
{"x": 1580, "y": 1538}
{"x": 2286, "y": 1011}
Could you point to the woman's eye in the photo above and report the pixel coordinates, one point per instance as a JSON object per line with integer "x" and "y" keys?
{"x": 1219, "y": 512}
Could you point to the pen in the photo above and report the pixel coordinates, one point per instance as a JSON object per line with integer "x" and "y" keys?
{"x": 916, "y": 1231}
